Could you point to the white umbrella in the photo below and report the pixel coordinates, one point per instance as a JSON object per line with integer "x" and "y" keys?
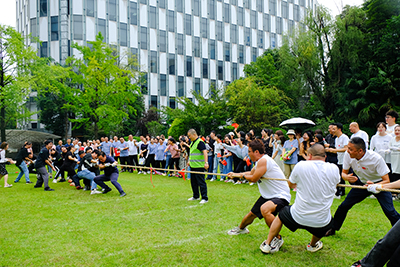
{"x": 297, "y": 122}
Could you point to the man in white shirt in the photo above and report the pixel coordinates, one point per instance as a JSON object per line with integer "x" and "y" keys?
{"x": 391, "y": 116}
{"x": 356, "y": 132}
{"x": 340, "y": 148}
{"x": 370, "y": 168}
{"x": 133, "y": 152}
{"x": 316, "y": 182}
{"x": 274, "y": 194}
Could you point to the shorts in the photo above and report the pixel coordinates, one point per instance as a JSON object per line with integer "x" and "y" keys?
{"x": 279, "y": 202}
{"x": 286, "y": 217}
{"x": 3, "y": 170}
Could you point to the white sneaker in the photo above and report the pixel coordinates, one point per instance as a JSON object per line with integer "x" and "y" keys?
{"x": 203, "y": 201}
{"x": 148, "y": 172}
{"x": 9, "y": 185}
{"x": 277, "y": 242}
{"x": 238, "y": 231}
{"x": 373, "y": 197}
{"x": 222, "y": 179}
{"x": 317, "y": 247}
{"x": 238, "y": 182}
{"x": 139, "y": 172}
{"x": 94, "y": 192}
{"x": 251, "y": 183}
{"x": 213, "y": 179}
{"x": 55, "y": 181}
{"x": 192, "y": 198}
{"x": 267, "y": 249}
{"x": 336, "y": 197}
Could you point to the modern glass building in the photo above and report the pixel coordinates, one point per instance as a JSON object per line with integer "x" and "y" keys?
{"x": 184, "y": 46}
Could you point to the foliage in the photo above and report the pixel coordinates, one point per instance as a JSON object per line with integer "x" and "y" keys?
{"x": 151, "y": 115}
{"x": 178, "y": 128}
{"x": 154, "y": 128}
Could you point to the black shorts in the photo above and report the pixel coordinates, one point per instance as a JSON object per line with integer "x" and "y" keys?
{"x": 292, "y": 225}
{"x": 279, "y": 202}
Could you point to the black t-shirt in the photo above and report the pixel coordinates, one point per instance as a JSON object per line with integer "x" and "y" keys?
{"x": 268, "y": 149}
{"x": 44, "y": 155}
{"x": 22, "y": 154}
{"x": 86, "y": 162}
{"x": 67, "y": 161}
{"x": 331, "y": 157}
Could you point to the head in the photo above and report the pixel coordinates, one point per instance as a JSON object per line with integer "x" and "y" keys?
{"x": 28, "y": 145}
{"x": 227, "y": 139}
{"x": 391, "y": 116}
{"x": 381, "y": 127}
{"x": 356, "y": 148}
{"x": 298, "y": 132}
{"x": 64, "y": 149}
{"x": 95, "y": 153}
{"x": 130, "y": 137}
{"x": 291, "y": 134}
{"x": 256, "y": 150}
{"x": 81, "y": 153}
{"x": 4, "y": 146}
{"x": 88, "y": 149}
{"x": 240, "y": 140}
{"x": 102, "y": 156}
{"x": 213, "y": 134}
{"x": 106, "y": 139}
{"x": 249, "y": 136}
{"x": 338, "y": 129}
{"x": 219, "y": 137}
{"x": 354, "y": 127}
{"x": 331, "y": 128}
{"x": 68, "y": 141}
{"x": 122, "y": 140}
{"x": 192, "y": 134}
{"x": 171, "y": 141}
{"x": 316, "y": 152}
{"x": 60, "y": 142}
{"x": 318, "y": 138}
{"x": 307, "y": 136}
{"x": 252, "y": 132}
{"x": 48, "y": 144}
{"x": 241, "y": 134}
{"x": 397, "y": 131}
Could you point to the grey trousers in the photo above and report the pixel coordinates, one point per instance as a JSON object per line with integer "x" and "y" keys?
{"x": 43, "y": 177}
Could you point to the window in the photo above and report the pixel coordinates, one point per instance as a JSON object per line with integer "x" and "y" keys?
{"x": 188, "y": 66}
{"x": 227, "y": 13}
{"x": 172, "y": 102}
{"x": 254, "y": 53}
{"x": 162, "y": 39}
{"x": 211, "y": 48}
{"x": 54, "y": 28}
{"x": 78, "y": 27}
{"x": 296, "y": 12}
{"x": 266, "y": 22}
{"x": 153, "y": 61}
{"x": 153, "y": 101}
{"x": 273, "y": 40}
{"x": 241, "y": 54}
{"x": 196, "y": 7}
{"x": 278, "y": 25}
{"x": 220, "y": 70}
{"x": 204, "y": 28}
{"x": 272, "y": 7}
{"x": 143, "y": 38}
{"x": 240, "y": 16}
{"x": 291, "y": 25}
{"x": 34, "y": 125}
{"x": 134, "y": 52}
{"x": 33, "y": 28}
{"x": 188, "y": 24}
{"x": 197, "y": 85}
{"x": 247, "y": 36}
{"x": 179, "y": 43}
{"x": 171, "y": 64}
{"x": 181, "y": 86}
{"x": 196, "y": 45}
{"x": 246, "y": 4}
{"x": 302, "y": 2}
{"x": 163, "y": 85}
{"x": 205, "y": 68}
{"x": 260, "y": 5}
{"x": 101, "y": 27}
{"x": 227, "y": 49}
{"x": 285, "y": 10}
{"x": 171, "y": 21}
{"x": 123, "y": 34}
{"x": 90, "y": 8}
{"x": 234, "y": 2}
{"x": 220, "y": 28}
{"x": 211, "y": 9}
{"x": 133, "y": 13}
{"x": 144, "y": 2}
{"x": 234, "y": 71}
{"x": 161, "y": 3}
{"x": 179, "y": 6}
{"x": 44, "y": 50}
{"x": 233, "y": 33}
{"x": 153, "y": 17}
{"x": 253, "y": 19}
{"x": 260, "y": 39}
{"x": 112, "y": 10}
{"x": 43, "y": 8}
{"x": 290, "y": 1}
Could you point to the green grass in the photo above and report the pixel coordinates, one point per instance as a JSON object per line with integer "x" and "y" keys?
{"x": 159, "y": 227}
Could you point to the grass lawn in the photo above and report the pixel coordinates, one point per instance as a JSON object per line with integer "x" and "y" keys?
{"x": 159, "y": 227}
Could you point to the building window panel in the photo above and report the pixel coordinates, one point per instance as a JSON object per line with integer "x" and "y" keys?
{"x": 241, "y": 54}
{"x": 211, "y": 9}
{"x": 196, "y": 46}
{"x": 188, "y": 24}
{"x": 273, "y": 40}
{"x": 220, "y": 29}
{"x": 197, "y": 85}
{"x": 34, "y": 28}
{"x": 196, "y": 7}
{"x": 179, "y": 43}
{"x": 181, "y": 86}
{"x": 234, "y": 71}
{"x": 266, "y": 22}
{"x": 78, "y": 27}
{"x": 211, "y": 48}
{"x": 179, "y": 6}
{"x": 162, "y": 38}
{"x": 227, "y": 16}
{"x": 260, "y": 6}
{"x": 227, "y": 49}
{"x": 43, "y": 8}
{"x": 247, "y": 36}
{"x": 205, "y": 68}
{"x": 172, "y": 102}
{"x": 163, "y": 85}
{"x": 296, "y": 13}
{"x": 220, "y": 70}
{"x": 279, "y": 25}
{"x": 272, "y": 7}
{"x": 171, "y": 64}
{"x": 143, "y": 38}
{"x": 54, "y": 28}
{"x": 101, "y": 27}
{"x": 153, "y": 61}
{"x": 171, "y": 21}
{"x": 247, "y": 3}
{"x": 123, "y": 34}
{"x": 254, "y": 53}
{"x": 285, "y": 9}
{"x": 189, "y": 66}
{"x": 44, "y": 52}
{"x": 90, "y": 8}
{"x": 133, "y": 13}
{"x": 233, "y": 33}
{"x": 153, "y": 17}
{"x": 112, "y": 10}
{"x": 253, "y": 19}
{"x": 240, "y": 16}
{"x": 154, "y": 101}
{"x": 204, "y": 28}
{"x": 144, "y": 2}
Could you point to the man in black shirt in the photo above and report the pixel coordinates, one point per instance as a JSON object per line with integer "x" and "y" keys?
{"x": 23, "y": 155}
{"x": 84, "y": 171}
{"x": 330, "y": 143}
{"x": 42, "y": 160}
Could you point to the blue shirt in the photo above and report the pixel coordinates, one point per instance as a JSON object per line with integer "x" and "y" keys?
{"x": 109, "y": 170}
{"x": 160, "y": 152}
{"x": 288, "y": 146}
{"x": 106, "y": 148}
{"x": 152, "y": 149}
{"x": 124, "y": 153}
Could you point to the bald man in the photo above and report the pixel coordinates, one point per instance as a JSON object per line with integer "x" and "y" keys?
{"x": 356, "y": 132}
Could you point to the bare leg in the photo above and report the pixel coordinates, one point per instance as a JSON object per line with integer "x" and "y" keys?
{"x": 274, "y": 230}
{"x": 314, "y": 240}
{"x": 266, "y": 210}
{"x": 5, "y": 179}
{"x": 247, "y": 220}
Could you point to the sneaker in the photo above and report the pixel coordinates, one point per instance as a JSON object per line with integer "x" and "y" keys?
{"x": 9, "y": 185}
{"x": 106, "y": 190}
{"x": 79, "y": 187}
{"x": 238, "y": 182}
{"x": 94, "y": 192}
{"x": 29, "y": 182}
{"x": 122, "y": 194}
{"x": 337, "y": 197}
{"x": 356, "y": 264}
{"x": 55, "y": 181}
{"x": 86, "y": 188}
{"x": 238, "y": 231}
{"x": 139, "y": 172}
{"x": 372, "y": 197}
{"x": 16, "y": 181}
{"x": 267, "y": 249}
{"x": 37, "y": 186}
{"x": 277, "y": 242}
{"x": 163, "y": 174}
{"x": 48, "y": 189}
{"x": 317, "y": 246}
{"x": 203, "y": 201}
{"x": 251, "y": 183}
{"x": 148, "y": 172}
{"x": 213, "y": 179}
{"x": 222, "y": 179}
{"x": 192, "y": 198}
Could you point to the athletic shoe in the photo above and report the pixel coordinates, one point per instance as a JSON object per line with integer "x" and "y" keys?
{"x": 203, "y": 201}
{"x": 337, "y": 197}
{"x": 373, "y": 197}
{"x": 192, "y": 198}
{"x": 37, "y": 186}
{"x": 277, "y": 242}
{"x": 356, "y": 264}
{"x": 94, "y": 192}
{"x": 16, "y": 181}
{"x": 54, "y": 181}
{"x": 122, "y": 194}
{"x": 213, "y": 179}
{"x": 251, "y": 183}
{"x": 163, "y": 174}
{"x": 238, "y": 231}
{"x": 267, "y": 249}
{"x": 9, "y": 185}
{"x": 105, "y": 191}
{"x": 238, "y": 182}
{"x": 317, "y": 246}
{"x": 79, "y": 187}
{"x": 86, "y": 188}
{"x": 48, "y": 189}
{"x": 29, "y": 182}
{"x": 139, "y": 172}
{"x": 222, "y": 179}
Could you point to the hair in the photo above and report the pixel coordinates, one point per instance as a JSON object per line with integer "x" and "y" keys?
{"x": 47, "y": 142}
{"x": 397, "y": 126}
{"x": 242, "y": 134}
{"x": 339, "y": 125}
{"x": 392, "y": 113}
{"x": 381, "y": 123}
{"x": 318, "y": 131}
{"x": 267, "y": 131}
{"x": 99, "y": 153}
{"x": 228, "y": 136}
{"x": 214, "y": 132}
{"x": 251, "y": 137}
{"x": 219, "y": 136}
{"x": 68, "y": 148}
{"x": 192, "y": 131}
{"x": 172, "y": 140}
{"x": 310, "y": 137}
{"x": 88, "y": 148}
{"x": 317, "y": 150}
{"x": 81, "y": 152}
{"x": 319, "y": 137}
{"x": 279, "y": 132}
{"x": 3, "y": 145}
{"x": 257, "y": 145}
{"x": 242, "y": 140}
{"x": 282, "y": 138}
{"x": 298, "y": 131}
{"x": 358, "y": 143}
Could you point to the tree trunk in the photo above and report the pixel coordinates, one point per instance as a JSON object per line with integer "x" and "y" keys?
{"x": 3, "y": 109}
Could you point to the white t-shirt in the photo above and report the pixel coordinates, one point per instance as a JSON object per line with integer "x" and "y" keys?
{"x": 3, "y": 156}
{"x": 380, "y": 144}
{"x": 390, "y": 129}
{"x": 363, "y": 135}
{"x": 132, "y": 149}
{"x": 341, "y": 142}
{"x": 316, "y": 184}
{"x": 395, "y": 155}
{"x": 272, "y": 188}
{"x": 371, "y": 167}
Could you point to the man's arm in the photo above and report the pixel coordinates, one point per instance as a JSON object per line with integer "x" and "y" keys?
{"x": 256, "y": 173}
{"x": 348, "y": 177}
{"x": 205, "y": 159}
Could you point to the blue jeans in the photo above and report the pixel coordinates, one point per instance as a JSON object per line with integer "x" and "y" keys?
{"x": 215, "y": 164}
{"x": 23, "y": 170}
{"x": 168, "y": 158}
{"x": 210, "y": 164}
{"x": 228, "y": 166}
{"x": 356, "y": 196}
{"x": 86, "y": 174}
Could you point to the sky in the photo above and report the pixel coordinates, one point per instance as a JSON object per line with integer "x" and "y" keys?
{"x": 8, "y": 17}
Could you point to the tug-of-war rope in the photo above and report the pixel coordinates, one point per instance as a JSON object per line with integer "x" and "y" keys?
{"x": 183, "y": 171}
